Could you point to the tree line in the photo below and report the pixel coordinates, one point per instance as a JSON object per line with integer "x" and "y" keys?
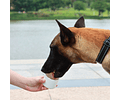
{"x": 35, "y": 5}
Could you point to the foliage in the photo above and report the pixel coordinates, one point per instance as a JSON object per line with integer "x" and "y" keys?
{"x": 23, "y": 5}
{"x": 107, "y": 1}
{"x": 108, "y": 6}
{"x": 69, "y": 13}
{"x": 11, "y": 3}
{"x": 54, "y": 4}
{"x": 39, "y": 4}
{"x": 88, "y": 2}
{"x": 79, "y": 5}
{"x": 99, "y": 5}
{"x": 72, "y": 2}
{"x": 66, "y": 3}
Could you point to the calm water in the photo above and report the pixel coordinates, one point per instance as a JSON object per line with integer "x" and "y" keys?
{"x": 31, "y": 39}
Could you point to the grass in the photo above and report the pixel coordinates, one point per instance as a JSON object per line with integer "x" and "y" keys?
{"x": 70, "y": 13}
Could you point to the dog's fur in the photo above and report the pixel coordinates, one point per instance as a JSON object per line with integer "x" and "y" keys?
{"x": 76, "y": 45}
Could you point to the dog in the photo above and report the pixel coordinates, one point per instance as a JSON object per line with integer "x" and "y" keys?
{"x": 75, "y": 45}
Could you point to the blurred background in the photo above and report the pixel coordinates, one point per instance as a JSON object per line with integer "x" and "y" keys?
{"x": 33, "y": 26}
{"x": 59, "y": 9}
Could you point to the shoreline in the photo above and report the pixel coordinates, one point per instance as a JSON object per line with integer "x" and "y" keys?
{"x": 53, "y": 18}
{"x": 46, "y": 14}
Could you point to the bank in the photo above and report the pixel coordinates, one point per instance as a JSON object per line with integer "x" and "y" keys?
{"x": 69, "y": 13}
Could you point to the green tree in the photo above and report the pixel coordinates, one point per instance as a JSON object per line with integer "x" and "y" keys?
{"x": 107, "y": 1}
{"x": 11, "y": 2}
{"x": 99, "y": 5}
{"x": 108, "y": 8}
{"x": 72, "y": 2}
{"x": 66, "y": 3}
{"x": 79, "y": 5}
{"x": 54, "y": 4}
{"x": 88, "y": 2}
{"x": 11, "y": 5}
{"x": 40, "y": 4}
{"x": 23, "y": 5}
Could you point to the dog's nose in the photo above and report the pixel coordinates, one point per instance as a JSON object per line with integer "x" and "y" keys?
{"x": 46, "y": 70}
{"x": 43, "y": 70}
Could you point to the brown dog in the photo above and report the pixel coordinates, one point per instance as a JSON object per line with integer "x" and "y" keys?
{"x": 75, "y": 45}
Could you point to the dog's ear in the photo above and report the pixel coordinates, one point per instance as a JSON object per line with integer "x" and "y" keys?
{"x": 80, "y": 23}
{"x": 67, "y": 37}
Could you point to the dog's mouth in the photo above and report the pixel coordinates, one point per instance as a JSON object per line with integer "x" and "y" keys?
{"x": 52, "y": 75}
{"x": 57, "y": 72}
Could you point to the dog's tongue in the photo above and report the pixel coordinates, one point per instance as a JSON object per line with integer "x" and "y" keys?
{"x": 51, "y": 76}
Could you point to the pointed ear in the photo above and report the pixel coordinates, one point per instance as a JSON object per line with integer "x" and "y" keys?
{"x": 67, "y": 37}
{"x": 80, "y": 23}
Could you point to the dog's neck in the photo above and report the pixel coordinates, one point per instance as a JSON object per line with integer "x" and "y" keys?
{"x": 89, "y": 42}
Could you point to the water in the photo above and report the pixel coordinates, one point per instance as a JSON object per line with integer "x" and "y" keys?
{"x": 30, "y": 39}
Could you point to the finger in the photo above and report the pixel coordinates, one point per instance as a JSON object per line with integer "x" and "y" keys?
{"x": 40, "y": 87}
{"x": 44, "y": 88}
{"x": 32, "y": 89}
{"x": 42, "y": 77}
{"x": 42, "y": 80}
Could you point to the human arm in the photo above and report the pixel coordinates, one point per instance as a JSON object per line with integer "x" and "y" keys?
{"x": 28, "y": 83}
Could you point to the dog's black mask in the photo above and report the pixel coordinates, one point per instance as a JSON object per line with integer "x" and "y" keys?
{"x": 56, "y": 62}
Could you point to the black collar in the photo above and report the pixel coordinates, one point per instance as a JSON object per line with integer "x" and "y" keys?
{"x": 105, "y": 48}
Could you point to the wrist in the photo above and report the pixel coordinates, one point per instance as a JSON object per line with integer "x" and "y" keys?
{"x": 21, "y": 82}
{"x": 24, "y": 83}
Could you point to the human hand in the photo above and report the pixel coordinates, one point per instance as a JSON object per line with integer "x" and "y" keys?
{"x": 35, "y": 84}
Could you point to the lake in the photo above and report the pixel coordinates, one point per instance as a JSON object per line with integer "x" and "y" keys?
{"x": 30, "y": 39}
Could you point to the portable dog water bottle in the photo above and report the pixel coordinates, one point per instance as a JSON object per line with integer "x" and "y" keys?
{"x": 103, "y": 51}
{"x": 50, "y": 83}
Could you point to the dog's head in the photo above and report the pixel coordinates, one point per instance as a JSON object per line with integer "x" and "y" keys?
{"x": 62, "y": 53}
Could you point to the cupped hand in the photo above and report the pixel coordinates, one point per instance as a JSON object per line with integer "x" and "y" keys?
{"x": 35, "y": 84}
